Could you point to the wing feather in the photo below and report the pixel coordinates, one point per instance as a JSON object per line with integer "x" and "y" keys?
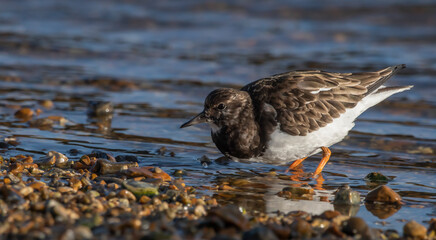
{"x": 307, "y": 100}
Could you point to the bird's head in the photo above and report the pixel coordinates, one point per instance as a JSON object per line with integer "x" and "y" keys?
{"x": 222, "y": 107}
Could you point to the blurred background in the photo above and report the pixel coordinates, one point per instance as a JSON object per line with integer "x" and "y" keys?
{"x": 154, "y": 62}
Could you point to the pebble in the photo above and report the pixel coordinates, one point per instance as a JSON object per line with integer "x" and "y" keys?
{"x": 53, "y": 158}
{"x": 25, "y": 191}
{"x": 346, "y": 196}
{"x": 16, "y": 168}
{"x": 179, "y": 173}
{"x": 356, "y": 227}
{"x": 376, "y": 177}
{"x": 144, "y": 199}
{"x": 231, "y": 215}
{"x": 104, "y": 166}
{"x": 259, "y": 233}
{"x": 140, "y": 189}
{"x": 86, "y": 160}
{"x": 432, "y": 228}
{"x": 24, "y": 113}
{"x": 99, "y": 108}
{"x": 161, "y": 151}
{"x": 414, "y": 230}
{"x": 391, "y": 234}
{"x": 47, "y": 104}
{"x": 383, "y": 194}
{"x": 102, "y": 155}
{"x": 199, "y": 211}
{"x": 319, "y": 223}
{"x": 301, "y": 229}
{"x": 75, "y": 183}
{"x": 305, "y": 193}
{"x": 147, "y": 172}
{"x": 123, "y": 193}
{"x": 80, "y": 204}
{"x": 205, "y": 161}
{"x": 126, "y": 158}
{"x": 82, "y": 232}
{"x": 65, "y": 189}
{"x": 59, "y": 211}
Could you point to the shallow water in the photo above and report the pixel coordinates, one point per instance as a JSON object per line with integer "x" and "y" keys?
{"x": 156, "y": 62}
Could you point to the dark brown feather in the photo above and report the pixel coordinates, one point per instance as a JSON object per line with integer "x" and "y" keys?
{"x": 307, "y": 100}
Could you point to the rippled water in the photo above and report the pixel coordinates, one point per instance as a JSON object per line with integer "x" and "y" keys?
{"x": 156, "y": 61}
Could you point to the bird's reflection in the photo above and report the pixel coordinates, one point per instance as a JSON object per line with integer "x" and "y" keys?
{"x": 305, "y": 193}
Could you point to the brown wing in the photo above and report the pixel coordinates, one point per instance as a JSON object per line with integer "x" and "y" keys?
{"x": 307, "y": 100}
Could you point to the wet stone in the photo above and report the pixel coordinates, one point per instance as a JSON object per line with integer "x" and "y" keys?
{"x": 24, "y": 113}
{"x": 104, "y": 166}
{"x": 140, "y": 189}
{"x": 123, "y": 193}
{"x": 82, "y": 232}
{"x": 319, "y": 223}
{"x": 346, "y": 196}
{"x": 297, "y": 193}
{"x": 48, "y": 104}
{"x": 414, "y": 230}
{"x": 376, "y": 177}
{"x": 391, "y": 234}
{"x": 126, "y": 158}
{"x": 222, "y": 160}
{"x": 179, "y": 173}
{"x": 161, "y": 151}
{"x": 53, "y": 158}
{"x": 147, "y": 172}
{"x": 199, "y": 211}
{"x": 85, "y": 160}
{"x": 205, "y": 161}
{"x": 13, "y": 179}
{"x": 383, "y": 194}
{"x": 4, "y": 145}
{"x": 259, "y": 233}
{"x": 16, "y": 168}
{"x": 98, "y": 108}
{"x": 301, "y": 229}
{"x": 74, "y": 152}
{"x": 60, "y": 212}
{"x": 25, "y": 191}
{"x": 356, "y": 227}
{"x": 432, "y": 227}
{"x": 42, "y": 123}
{"x": 102, "y": 155}
{"x": 231, "y": 215}
{"x": 12, "y": 141}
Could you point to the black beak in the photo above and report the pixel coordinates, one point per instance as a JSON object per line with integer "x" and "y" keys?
{"x": 200, "y": 118}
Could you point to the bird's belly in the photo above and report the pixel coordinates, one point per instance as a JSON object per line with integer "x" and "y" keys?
{"x": 283, "y": 147}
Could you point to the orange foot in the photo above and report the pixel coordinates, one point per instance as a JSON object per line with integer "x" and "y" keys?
{"x": 326, "y": 153}
{"x": 325, "y": 158}
{"x": 295, "y": 164}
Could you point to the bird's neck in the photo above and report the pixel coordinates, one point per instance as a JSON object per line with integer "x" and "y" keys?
{"x": 239, "y": 137}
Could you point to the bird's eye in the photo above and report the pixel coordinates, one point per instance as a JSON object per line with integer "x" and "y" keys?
{"x": 221, "y": 106}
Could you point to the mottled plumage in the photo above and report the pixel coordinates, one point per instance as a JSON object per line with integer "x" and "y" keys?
{"x": 294, "y": 104}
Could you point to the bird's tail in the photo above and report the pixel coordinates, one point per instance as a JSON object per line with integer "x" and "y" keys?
{"x": 385, "y": 75}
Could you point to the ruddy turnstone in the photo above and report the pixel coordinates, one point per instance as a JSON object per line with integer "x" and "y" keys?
{"x": 291, "y": 116}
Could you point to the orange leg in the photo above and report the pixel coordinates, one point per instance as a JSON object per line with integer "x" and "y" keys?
{"x": 325, "y": 158}
{"x": 295, "y": 164}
